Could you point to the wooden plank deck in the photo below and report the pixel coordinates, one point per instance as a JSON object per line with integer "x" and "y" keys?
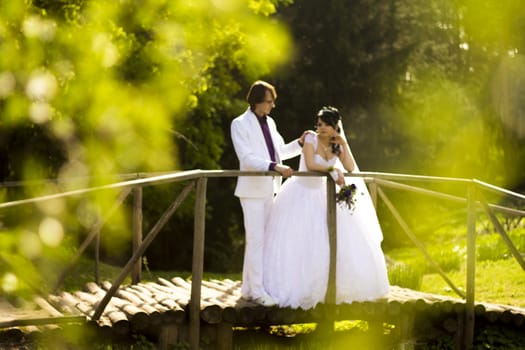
{"x": 158, "y": 308}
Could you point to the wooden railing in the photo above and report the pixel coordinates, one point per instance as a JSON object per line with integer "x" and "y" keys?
{"x": 197, "y": 179}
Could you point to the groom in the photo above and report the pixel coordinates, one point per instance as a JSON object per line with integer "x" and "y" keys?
{"x": 259, "y": 147}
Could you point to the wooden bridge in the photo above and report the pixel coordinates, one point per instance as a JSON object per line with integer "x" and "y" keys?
{"x": 159, "y": 310}
{"x": 177, "y": 309}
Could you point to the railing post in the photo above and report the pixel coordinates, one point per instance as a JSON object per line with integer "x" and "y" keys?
{"x": 140, "y": 250}
{"x": 197, "y": 262}
{"x": 332, "y": 238}
{"x": 136, "y": 272}
{"x": 471, "y": 268}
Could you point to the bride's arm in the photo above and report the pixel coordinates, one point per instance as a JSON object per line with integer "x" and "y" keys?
{"x": 309, "y": 155}
{"x": 308, "y": 151}
{"x": 346, "y": 157}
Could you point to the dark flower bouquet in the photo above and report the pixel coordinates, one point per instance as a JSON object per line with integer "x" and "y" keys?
{"x": 346, "y": 196}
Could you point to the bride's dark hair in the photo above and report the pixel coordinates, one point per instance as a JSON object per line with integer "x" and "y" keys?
{"x": 330, "y": 116}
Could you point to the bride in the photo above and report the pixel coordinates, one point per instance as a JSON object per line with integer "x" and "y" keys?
{"x": 297, "y": 253}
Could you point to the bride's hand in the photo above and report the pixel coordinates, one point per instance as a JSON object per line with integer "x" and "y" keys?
{"x": 338, "y": 140}
{"x": 340, "y": 177}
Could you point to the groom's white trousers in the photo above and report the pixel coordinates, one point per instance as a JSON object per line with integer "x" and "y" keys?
{"x": 256, "y": 212}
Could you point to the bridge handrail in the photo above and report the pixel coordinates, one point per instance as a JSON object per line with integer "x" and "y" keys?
{"x": 139, "y": 180}
{"x": 146, "y": 179}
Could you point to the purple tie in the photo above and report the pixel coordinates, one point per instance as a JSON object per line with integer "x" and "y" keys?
{"x": 267, "y": 136}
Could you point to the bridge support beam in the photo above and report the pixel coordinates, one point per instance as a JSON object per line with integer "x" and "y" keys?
{"x": 468, "y": 329}
{"x": 136, "y": 272}
{"x": 197, "y": 263}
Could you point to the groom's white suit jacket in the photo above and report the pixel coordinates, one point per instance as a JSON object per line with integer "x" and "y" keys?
{"x": 250, "y": 146}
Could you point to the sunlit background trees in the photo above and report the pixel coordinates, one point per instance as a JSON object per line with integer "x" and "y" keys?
{"x": 90, "y": 89}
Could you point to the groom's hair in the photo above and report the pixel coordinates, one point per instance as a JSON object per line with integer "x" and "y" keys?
{"x": 257, "y": 92}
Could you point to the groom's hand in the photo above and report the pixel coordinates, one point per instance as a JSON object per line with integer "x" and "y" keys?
{"x": 303, "y": 136}
{"x": 284, "y": 170}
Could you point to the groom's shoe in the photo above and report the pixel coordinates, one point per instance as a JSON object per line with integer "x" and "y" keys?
{"x": 265, "y": 300}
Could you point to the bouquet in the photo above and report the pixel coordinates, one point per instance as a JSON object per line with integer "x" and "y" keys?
{"x": 346, "y": 196}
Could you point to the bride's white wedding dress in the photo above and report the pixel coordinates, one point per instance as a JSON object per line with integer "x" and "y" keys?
{"x": 297, "y": 254}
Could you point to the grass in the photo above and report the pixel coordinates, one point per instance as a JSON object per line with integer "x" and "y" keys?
{"x": 498, "y": 282}
{"x": 499, "y": 279}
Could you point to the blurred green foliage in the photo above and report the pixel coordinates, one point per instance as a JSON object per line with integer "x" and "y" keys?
{"x": 90, "y": 89}
{"x": 424, "y": 87}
